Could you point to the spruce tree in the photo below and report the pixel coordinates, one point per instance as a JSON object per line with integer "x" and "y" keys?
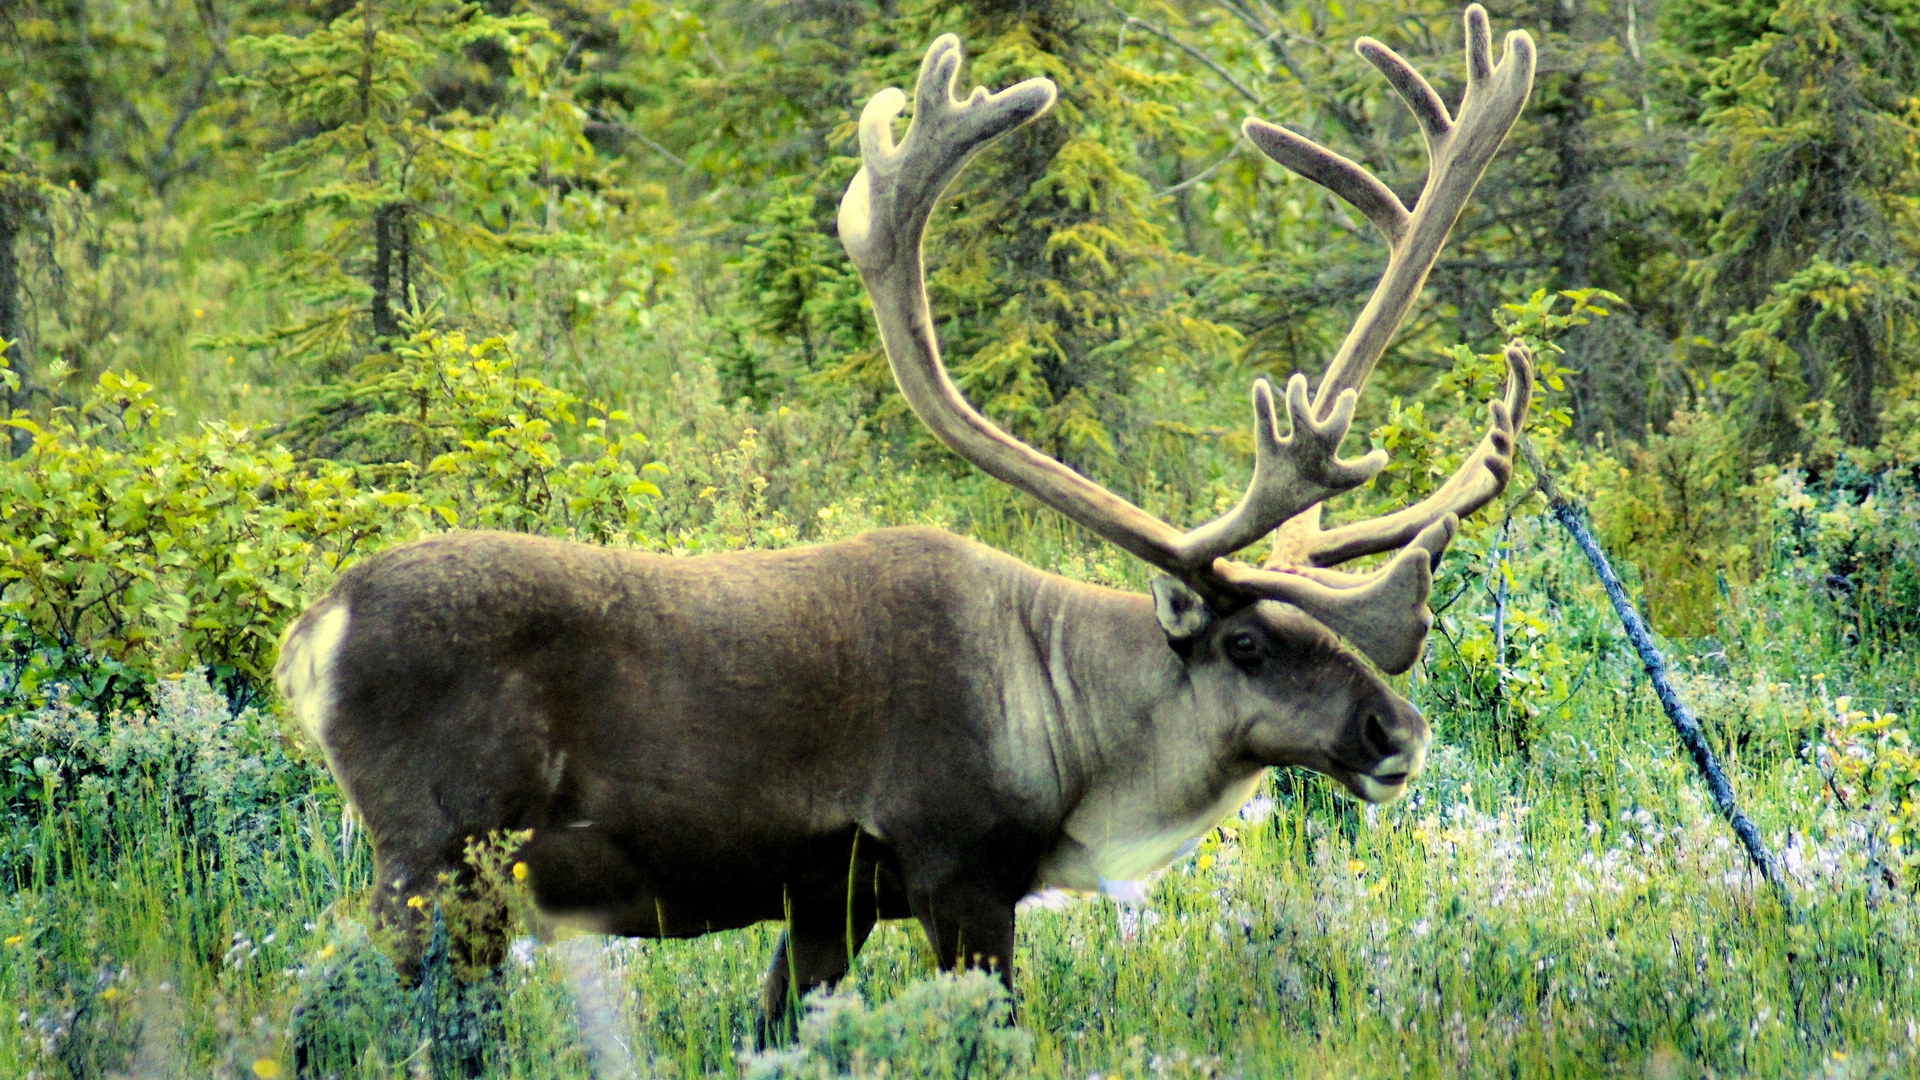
{"x": 402, "y": 175}
{"x": 1811, "y": 170}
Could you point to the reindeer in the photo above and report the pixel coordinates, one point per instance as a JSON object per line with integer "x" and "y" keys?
{"x": 909, "y": 724}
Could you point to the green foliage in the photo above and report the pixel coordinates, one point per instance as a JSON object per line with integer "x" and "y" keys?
{"x": 1811, "y": 161}
{"x": 1586, "y": 889}
{"x": 482, "y": 446}
{"x": 130, "y": 553}
{"x": 1423, "y": 453}
{"x": 223, "y": 774}
{"x": 1683, "y": 507}
{"x": 1876, "y": 773}
{"x": 607, "y": 218}
{"x": 394, "y": 192}
{"x": 800, "y": 303}
{"x": 949, "y": 1027}
{"x": 1857, "y": 536}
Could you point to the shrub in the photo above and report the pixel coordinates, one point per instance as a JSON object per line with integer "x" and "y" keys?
{"x": 1856, "y": 536}
{"x": 949, "y": 1027}
{"x": 1873, "y": 770}
{"x": 130, "y": 551}
{"x": 126, "y": 552}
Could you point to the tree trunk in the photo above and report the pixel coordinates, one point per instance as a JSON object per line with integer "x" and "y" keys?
{"x": 71, "y": 115}
{"x": 13, "y": 320}
{"x": 1859, "y": 425}
{"x": 389, "y": 223}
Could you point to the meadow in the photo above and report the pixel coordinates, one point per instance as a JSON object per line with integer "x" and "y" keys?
{"x": 1553, "y": 898}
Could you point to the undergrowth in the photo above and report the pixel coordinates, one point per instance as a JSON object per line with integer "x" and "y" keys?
{"x": 1554, "y": 898}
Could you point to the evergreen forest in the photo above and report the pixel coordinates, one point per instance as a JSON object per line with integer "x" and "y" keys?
{"x": 286, "y": 284}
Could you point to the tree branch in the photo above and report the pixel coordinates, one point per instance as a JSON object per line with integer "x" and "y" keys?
{"x": 1572, "y": 517}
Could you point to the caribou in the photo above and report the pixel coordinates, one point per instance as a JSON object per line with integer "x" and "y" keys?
{"x": 910, "y": 724}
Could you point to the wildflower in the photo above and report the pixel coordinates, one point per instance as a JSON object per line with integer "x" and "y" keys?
{"x": 16, "y": 939}
{"x": 519, "y": 871}
{"x": 109, "y": 993}
{"x": 266, "y": 1068}
{"x": 199, "y": 313}
{"x": 1356, "y": 866}
{"x": 327, "y": 951}
{"x": 418, "y": 903}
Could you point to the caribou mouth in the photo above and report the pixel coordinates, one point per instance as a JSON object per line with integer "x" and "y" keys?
{"x": 1378, "y": 788}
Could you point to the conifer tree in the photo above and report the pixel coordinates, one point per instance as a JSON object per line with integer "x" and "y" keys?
{"x": 1052, "y": 270}
{"x": 405, "y": 173}
{"x": 1811, "y": 165}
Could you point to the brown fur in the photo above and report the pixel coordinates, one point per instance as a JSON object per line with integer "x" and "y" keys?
{"x": 704, "y": 743}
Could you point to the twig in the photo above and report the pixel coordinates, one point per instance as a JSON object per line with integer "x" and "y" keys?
{"x": 1201, "y": 176}
{"x": 1168, "y": 37}
{"x": 1572, "y": 517}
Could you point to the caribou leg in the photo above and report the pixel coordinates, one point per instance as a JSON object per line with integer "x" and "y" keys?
{"x": 822, "y": 937}
{"x": 970, "y": 926}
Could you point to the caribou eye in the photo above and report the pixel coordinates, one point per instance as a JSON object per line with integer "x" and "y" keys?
{"x": 1243, "y": 646}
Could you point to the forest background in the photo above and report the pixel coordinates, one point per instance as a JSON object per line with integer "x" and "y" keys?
{"x": 285, "y": 284}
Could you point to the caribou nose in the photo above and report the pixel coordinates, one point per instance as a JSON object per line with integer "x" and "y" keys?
{"x": 1397, "y": 739}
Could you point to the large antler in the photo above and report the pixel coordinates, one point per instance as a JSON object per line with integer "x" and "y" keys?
{"x": 1459, "y": 150}
{"x": 883, "y": 218}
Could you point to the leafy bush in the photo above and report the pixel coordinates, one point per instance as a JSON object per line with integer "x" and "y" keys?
{"x": 126, "y": 552}
{"x": 1856, "y": 535}
{"x": 481, "y": 446}
{"x": 130, "y": 551}
{"x": 949, "y": 1027}
{"x": 1875, "y": 773}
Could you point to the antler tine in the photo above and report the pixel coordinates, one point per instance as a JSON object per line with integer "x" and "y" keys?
{"x": 1301, "y": 546}
{"x": 1341, "y": 175}
{"x": 1289, "y": 474}
{"x": 902, "y": 183}
{"x": 1413, "y": 88}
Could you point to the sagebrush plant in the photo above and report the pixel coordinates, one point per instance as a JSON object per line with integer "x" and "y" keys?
{"x": 948, "y": 1027}
{"x": 222, "y": 774}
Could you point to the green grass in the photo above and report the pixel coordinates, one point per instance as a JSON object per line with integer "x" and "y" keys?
{"x": 1570, "y": 910}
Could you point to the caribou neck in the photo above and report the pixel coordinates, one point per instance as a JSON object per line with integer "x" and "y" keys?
{"x": 1138, "y": 760}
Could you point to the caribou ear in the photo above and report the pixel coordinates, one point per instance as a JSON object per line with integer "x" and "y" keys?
{"x": 1183, "y": 614}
